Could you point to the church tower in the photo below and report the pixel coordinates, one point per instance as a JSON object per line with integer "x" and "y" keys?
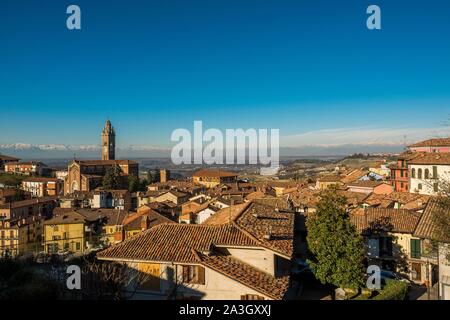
{"x": 108, "y": 142}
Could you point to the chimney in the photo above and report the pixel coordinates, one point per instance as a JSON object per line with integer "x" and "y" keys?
{"x": 144, "y": 223}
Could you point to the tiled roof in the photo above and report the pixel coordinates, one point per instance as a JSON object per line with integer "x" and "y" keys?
{"x": 354, "y": 175}
{"x": 330, "y": 178}
{"x": 366, "y": 184}
{"x": 104, "y": 162}
{"x": 353, "y": 198}
{"x": 26, "y": 203}
{"x": 176, "y": 242}
{"x": 431, "y": 158}
{"x": 395, "y": 220}
{"x": 425, "y": 227}
{"x": 154, "y": 219}
{"x": 305, "y": 197}
{"x": 255, "y": 195}
{"x": 8, "y": 192}
{"x": 25, "y": 163}
{"x": 275, "y": 229}
{"x": 247, "y": 275}
{"x": 72, "y": 217}
{"x": 213, "y": 173}
{"x": 226, "y": 215}
{"x": 39, "y": 179}
{"x": 441, "y": 142}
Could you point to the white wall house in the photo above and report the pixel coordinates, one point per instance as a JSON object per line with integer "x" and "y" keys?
{"x": 427, "y": 178}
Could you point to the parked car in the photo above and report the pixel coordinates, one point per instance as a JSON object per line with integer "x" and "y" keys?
{"x": 301, "y": 271}
{"x": 386, "y": 274}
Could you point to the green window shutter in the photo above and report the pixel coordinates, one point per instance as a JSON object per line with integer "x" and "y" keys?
{"x": 415, "y": 249}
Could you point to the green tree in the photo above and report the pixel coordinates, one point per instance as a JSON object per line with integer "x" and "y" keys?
{"x": 111, "y": 180}
{"x": 337, "y": 248}
{"x": 133, "y": 183}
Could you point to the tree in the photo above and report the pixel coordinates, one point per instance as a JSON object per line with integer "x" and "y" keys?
{"x": 337, "y": 248}
{"x": 110, "y": 280}
{"x": 133, "y": 183}
{"x": 111, "y": 180}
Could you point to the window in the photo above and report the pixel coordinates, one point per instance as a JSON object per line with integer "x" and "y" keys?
{"x": 419, "y": 173}
{"x": 415, "y": 249}
{"x": 419, "y": 186}
{"x": 435, "y": 187}
{"x": 413, "y": 173}
{"x": 194, "y": 274}
{"x": 401, "y": 185}
{"x": 435, "y": 174}
{"x": 251, "y": 297}
{"x": 78, "y": 246}
{"x": 55, "y": 228}
{"x": 427, "y": 174}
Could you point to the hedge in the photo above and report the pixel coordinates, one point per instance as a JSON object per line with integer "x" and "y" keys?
{"x": 393, "y": 290}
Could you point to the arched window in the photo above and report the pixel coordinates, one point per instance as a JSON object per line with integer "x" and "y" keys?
{"x": 413, "y": 173}
{"x": 427, "y": 174}
{"x": 419, "y": 173}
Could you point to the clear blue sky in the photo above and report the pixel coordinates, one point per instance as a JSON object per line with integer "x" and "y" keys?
{"x": 155, "y": 65}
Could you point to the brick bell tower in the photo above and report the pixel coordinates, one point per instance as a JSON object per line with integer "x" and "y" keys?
{"x": 108, "y": 142}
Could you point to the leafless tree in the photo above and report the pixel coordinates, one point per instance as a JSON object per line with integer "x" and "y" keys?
{"x": 111, "y": 280}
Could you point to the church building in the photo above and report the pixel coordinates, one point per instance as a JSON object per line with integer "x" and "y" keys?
{"x": 87, "y": 175}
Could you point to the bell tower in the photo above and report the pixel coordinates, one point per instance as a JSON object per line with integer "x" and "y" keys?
{"x": 108, "y": 142}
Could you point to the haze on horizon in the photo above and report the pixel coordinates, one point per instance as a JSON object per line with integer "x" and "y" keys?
{"x": 310, "y": 68}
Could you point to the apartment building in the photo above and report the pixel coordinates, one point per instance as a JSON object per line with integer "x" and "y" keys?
{"x": 42, "y": 187}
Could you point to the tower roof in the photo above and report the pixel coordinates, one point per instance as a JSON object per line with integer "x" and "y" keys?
{"x": 108, "y": 129}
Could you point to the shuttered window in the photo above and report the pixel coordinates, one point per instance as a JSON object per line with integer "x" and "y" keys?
{"x": 194, "y": 274}
{"x": 415, "y": 249}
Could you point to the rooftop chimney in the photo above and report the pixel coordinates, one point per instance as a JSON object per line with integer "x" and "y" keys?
{"x": 144, "y": 223}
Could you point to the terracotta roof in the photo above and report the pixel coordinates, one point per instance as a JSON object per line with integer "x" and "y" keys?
{"x": 38, "y": 179}
{"x": 104, "y": 162}
{"x": 8, "y": 192}
{"x": 176, "y": 242}
{"x": 26, "y": 203}
{"x": 25, "y": 163}
{"x": 275, "y": 229}
{"x": 255, "y": 195}
{"x": 353, "y": 198}
{"x": 425, "y": 227}
{"x": 366, "y": 184}
{"x": 72, "y": 217}
{"x": 248, "y": 275}
{"x": 440, "y": 142}
{"x": 330, "y": 178}
{"x": 154, "y": 219}
{"x": 395, "y": 220}
{"x": 354, "y": 175}
{"x": 226, "y": 215}
{"x": 213, "y": 173}
{"x": 305, "y": 197}
{"x": 431, "y": 158}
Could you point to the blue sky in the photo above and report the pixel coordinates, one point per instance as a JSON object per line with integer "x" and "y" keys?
{"x": 152, "y": 66}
